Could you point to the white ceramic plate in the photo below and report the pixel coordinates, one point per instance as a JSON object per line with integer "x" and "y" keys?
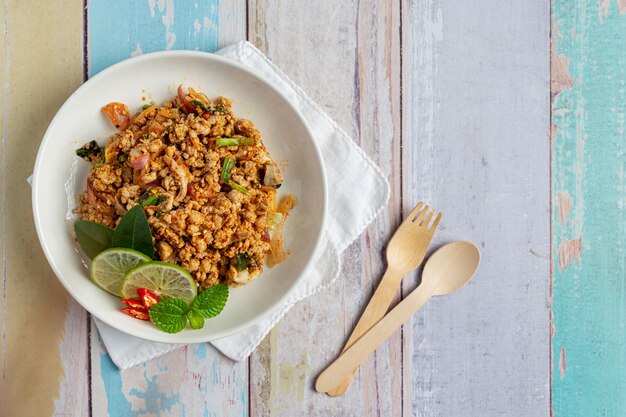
{"x": 156, "y": 77}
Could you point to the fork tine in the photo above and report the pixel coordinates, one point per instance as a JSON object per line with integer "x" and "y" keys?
{"x": 414, "y": 212}
{"x": 435, "y": 223}
{"x": 420, "y": 216}
{"x": 427, "y": 219}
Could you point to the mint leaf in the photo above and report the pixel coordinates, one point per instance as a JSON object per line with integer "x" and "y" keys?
{"x": 195, "y": 319}
{"x": 133, "y": 232}
{"x": 169, "y": 315}
{"x": 93, "y": 237}
{"x": 210, "y": 302}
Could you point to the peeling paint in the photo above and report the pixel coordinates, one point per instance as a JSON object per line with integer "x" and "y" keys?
{"x": 196, "y": 26}
{"x": 621, "y": 6}
{"x": 563, "y": 205}
{"x": 168, "y": 21}
{"x": 562, "y": 364}
{"x": 603, "y": 9}
{"x": 569, "y": 252}
{"x": 293, "y": 377}
{"x": 136, "y": 52}
{"x": 560, "y": 78}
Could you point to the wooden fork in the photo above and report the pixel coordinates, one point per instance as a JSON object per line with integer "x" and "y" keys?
{"x": 405, "y": 252}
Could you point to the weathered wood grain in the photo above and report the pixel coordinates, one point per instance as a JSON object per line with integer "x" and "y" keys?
{"x": 476, "y": 145}
{"x": 345, "y": 55}
{"x": 196, "y": 380}
{"x": 44, "y": 359}
{"x": 588, "y": 113}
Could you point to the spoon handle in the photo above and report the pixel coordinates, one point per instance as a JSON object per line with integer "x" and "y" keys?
{"x": 375, "y": 310}
{"x": 333, "y": 375}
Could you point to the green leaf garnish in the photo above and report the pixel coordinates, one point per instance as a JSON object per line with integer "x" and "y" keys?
{"x": 169, "y": 315}
{"x": 198, "y": 103}
{"x": 93, "y": 237}
{"x": 89, "y": 151}
{"x": 234, "y": 141}
{"x": 196, "y": 321}
{"x": 133, "y": 232}
{"x": 229, "y": 163}
{"x": 242, "y": 260}
{"x": 210, "y": 302}
{"x": 146, "y": 106}
{"x": 221, "y": 109}
{"x": 151, "y": 199}
{"x": 238, "y": 187}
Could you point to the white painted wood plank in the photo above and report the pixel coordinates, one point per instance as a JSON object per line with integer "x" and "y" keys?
{"x": 476, "y": 145}
{"x": 345, "y": 55}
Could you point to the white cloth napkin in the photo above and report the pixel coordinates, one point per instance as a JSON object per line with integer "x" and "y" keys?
{"x": 348, "y": 169}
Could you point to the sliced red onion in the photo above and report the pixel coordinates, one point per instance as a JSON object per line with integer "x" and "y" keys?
{"x": 141, "y": 162}
{"x": 181, "y": 173}
{"x": 119, "y": 207}
{"x": 91, "y": 196}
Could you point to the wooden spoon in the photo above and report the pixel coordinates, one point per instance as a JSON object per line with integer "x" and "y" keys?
{"x": 447, "y": 270}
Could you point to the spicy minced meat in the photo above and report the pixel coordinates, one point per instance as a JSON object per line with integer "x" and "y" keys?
{"x": 205, "y": 179}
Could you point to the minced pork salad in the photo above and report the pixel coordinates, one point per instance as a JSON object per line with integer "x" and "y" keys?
{"x": 204, "y": 179}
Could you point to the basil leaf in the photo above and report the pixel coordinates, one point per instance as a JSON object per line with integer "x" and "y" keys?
{"x": 198, "y": 103}
{"x": 151, "y": 199}
{"x": 241, "y": 260}
{"x": 93, "y": 237}
{"x": 169, "y": 315}
{"x": 133, "y": 232}
{"x": 195, "y": 319}
{"x": 89, "y": 151}
{"x": 210, "y": 302}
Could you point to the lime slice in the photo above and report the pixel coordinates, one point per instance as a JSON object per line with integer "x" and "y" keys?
{"x": 164, "y": 279}
{"x": 109, "y": 267}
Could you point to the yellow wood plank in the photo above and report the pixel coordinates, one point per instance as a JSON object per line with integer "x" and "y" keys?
{"x": 41, "y": 65}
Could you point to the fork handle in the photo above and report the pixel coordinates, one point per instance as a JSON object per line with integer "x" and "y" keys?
{"x": 372, "y": 339}
{"x": 375, "y": 310}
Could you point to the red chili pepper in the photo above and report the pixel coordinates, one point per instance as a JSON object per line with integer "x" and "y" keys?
{"x": 206, "y": 115}
{"x": 141, "y": 314}
{"x": 133, "y": 303}
{"x": 148, "y": 298}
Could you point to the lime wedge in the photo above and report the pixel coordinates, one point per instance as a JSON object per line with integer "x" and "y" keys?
{"x": 107, "y": 269}
{"x": 164, "y": 279}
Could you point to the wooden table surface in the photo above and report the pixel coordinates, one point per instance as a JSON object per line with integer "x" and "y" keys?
{"x": 506, "y": 115}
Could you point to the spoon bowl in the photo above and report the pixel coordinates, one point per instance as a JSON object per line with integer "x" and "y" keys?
{"x": 451, "y": 267}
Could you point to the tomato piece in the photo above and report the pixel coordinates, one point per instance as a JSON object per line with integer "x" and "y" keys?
{"x": 133, "y": 303}
{"x": 118, "y": 114}
{"x": 148, "y": 298}
{"x": 141, "y": 314}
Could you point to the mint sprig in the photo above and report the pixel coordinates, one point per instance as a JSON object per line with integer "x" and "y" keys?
{"x": 171, "y": 315}
{"x": 210, "y": 302}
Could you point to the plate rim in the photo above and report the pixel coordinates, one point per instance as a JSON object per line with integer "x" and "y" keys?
{"x": 180, "y": 338}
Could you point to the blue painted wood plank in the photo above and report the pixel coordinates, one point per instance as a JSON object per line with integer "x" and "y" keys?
{"x": 589, "y": 200}
{"x": 118, "y": 29}
{"x": 195, "y": 380}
